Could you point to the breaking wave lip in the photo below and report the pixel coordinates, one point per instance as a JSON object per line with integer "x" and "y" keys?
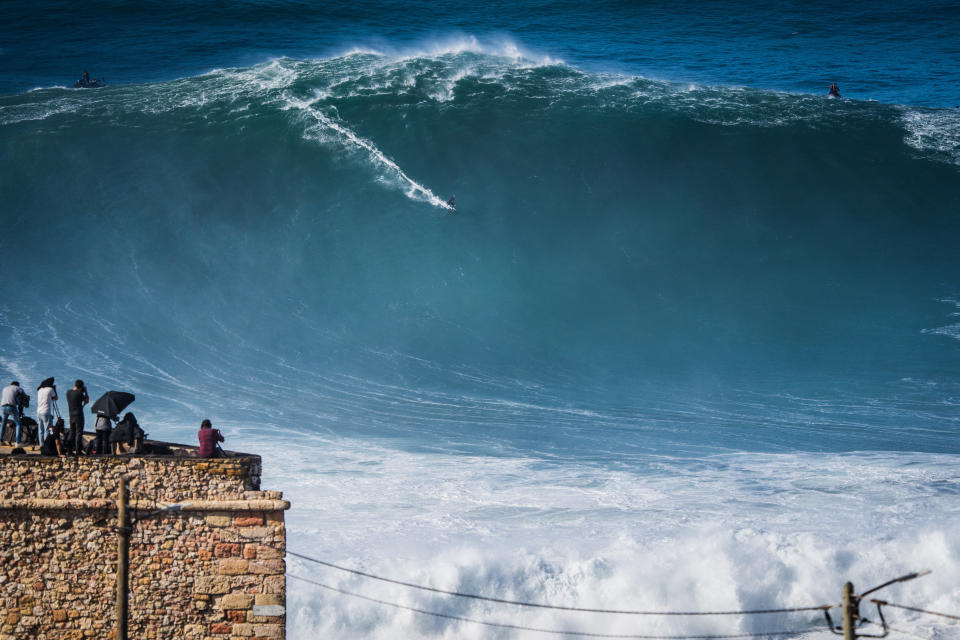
{"x": 494, "y": 46}
{"x": 432, "y": 71}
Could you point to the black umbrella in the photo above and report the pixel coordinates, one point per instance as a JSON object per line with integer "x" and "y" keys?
{"x": 112, "y": 403}
{"x": 46, "y": 383}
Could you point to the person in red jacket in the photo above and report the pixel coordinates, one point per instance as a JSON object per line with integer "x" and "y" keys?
{"x": 209, "y": 437}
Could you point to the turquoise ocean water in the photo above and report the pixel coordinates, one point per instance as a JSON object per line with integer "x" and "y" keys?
{"x": 690, "y": 339}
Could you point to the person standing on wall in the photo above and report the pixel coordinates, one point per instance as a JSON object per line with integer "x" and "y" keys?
{"x": 76, "y": 399}
{"x": 12, "y": 399}
{"x": 46, "y": 396}
{"x": 209, "y": 437}
{"x": 103, "y": 427}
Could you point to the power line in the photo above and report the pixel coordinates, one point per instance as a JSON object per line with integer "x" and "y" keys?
{"x": 909, "y": 576}
{"x": 582, "y": 634}
{"x": 556, "y": 607}
{"x": 903, "y": 606}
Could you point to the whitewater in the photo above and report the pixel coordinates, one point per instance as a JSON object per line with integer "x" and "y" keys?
{"x": 682, "y": 346}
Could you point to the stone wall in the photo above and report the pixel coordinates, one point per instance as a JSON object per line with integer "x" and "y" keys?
{"x": 167, "y": 478}
{"x": 214, "y": 569}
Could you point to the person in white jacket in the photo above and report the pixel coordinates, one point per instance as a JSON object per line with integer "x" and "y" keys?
{"x": 46, "y": 396}
{"x": 13, "y": 400}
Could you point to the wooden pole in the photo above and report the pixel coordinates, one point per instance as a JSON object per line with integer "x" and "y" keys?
{"x": 851, "y": 611}
{"x": 123, "y": 551}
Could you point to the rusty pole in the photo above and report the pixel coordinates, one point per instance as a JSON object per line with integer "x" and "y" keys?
{"x": 851, "y": 611}
{"x": 123, "y": 559}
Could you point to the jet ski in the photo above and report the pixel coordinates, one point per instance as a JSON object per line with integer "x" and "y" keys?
{"x": 89, "y": 83}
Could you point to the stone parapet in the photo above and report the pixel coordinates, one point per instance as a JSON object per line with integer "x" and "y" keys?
{"x": 44, "y": 504}
{"x": 161, "y": 478}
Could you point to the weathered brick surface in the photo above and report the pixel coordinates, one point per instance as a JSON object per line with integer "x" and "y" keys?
{"x": 212, "y": 585}
{"x": 234, "y": 566}
{"x": 249, "y": 520}
{"x": 193, "y": 574}
{"x": 236, "y": 601}
{"x": 268, "y": 599}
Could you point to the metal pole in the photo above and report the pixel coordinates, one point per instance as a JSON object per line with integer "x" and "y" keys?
{"x": 851, "y": 611}
{"x": 123, "y": 551}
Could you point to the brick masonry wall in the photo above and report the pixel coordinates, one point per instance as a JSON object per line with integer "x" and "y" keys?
{"x": 213, "y": 570}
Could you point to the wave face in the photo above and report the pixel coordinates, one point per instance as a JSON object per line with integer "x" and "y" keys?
{"x": 625, "y": 251}
{"x": 649, "y": 295}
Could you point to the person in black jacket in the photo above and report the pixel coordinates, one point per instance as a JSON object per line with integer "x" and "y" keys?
{"x": 129, "y": 432}
{"x": 76, "y": 399}
{"x": 51, "y": 444}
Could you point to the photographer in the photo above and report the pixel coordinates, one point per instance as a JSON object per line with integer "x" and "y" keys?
{"x": 209, "y": 437}
{"x": 76, "y": 399}
{"x": 46, "y": 397}
{"x": 14, "y": 400}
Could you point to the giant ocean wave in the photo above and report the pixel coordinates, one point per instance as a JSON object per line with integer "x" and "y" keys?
{"x": 651, "y": 294}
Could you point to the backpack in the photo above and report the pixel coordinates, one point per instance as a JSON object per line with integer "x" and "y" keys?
{"x": 30, "y": 430}
{"x": 49, "y": 446}
{"x": 9, "y": 431}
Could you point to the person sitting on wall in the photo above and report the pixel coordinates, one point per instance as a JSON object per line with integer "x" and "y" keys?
{"x": 51, "y": 444}
{"x": 129, "y": 432}
{"x": 209, "y": 437}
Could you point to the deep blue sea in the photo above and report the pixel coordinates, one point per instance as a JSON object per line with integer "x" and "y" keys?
{"x": 689, "y": 340}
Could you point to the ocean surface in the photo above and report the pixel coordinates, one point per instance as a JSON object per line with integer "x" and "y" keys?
{"x": 689, "y": 341}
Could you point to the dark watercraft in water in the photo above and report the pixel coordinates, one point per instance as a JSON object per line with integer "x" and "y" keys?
{"x": 86, "y": 82}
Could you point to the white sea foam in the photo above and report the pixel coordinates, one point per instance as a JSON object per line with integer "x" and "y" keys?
{"x": 934, "y": 132}
{"x": 729, "y": 532}
{"x": 35, "y": 111}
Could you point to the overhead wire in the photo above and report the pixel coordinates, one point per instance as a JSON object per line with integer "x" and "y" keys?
{"x": 917, "y": 609}
{"x": 904, "y": 578}
{"x": 461, "y": 594}
{"x": 518, "y": 603}
{"x": 583, "y": 634}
